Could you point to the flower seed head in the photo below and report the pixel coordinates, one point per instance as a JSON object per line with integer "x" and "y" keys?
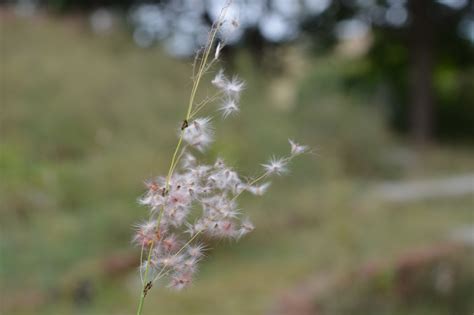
{"x": 171, "y": 244}
{"x": 297, "y": 149}
{"x": 196, "y": 251}
{"x": 145, "y": 233}
{"x": 199, "y": 133}
{"x": 276, "y": 166}
{"x": 230, "y": 87}
{"x": 170, "y": 261}
{"x": 180, "y": 281}
{"x": 220, "y": 80}
{"x": 234, "y": 86}
{"x": 229, "y": 107}
{"x": 245, "y": 228}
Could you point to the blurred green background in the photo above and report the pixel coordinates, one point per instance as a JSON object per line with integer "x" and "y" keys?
{"x": 87, "y": 117}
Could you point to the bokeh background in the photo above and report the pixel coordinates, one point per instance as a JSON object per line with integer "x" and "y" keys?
{"x": 380, "y": 220}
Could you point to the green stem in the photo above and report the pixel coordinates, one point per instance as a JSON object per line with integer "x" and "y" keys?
{"x": 140, "y": 304}
{"x": 175, "y": 157}
{"x": 145, "y": 284}
{"x": 259, "y": 178}
{"x": 204, "y": 103}
{"x": 173, "y": 161}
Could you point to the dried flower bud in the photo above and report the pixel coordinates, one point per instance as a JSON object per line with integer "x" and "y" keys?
{"x": 218, "y": 50}
{"x": 297, "y": 149}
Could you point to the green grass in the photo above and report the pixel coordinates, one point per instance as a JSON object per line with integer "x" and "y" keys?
{"x": 86, "y": 119}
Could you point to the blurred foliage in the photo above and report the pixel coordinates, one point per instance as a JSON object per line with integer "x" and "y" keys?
{"x": 390, "y": 57}
{"x": 391, "y": 63}
{"x": 388, "y": 69}
{"x": 444, "y": 285}
{"x": 86, "y": 119}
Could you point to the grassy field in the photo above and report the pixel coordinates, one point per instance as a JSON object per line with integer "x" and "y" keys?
{"x": 85, "y": 119}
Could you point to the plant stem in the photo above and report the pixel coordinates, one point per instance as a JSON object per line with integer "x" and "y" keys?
{"x": 140, "y": 304}
{"x": 175, "y": 159}
{"x": 206, "y": 101}
{"x": 145, "y": 284}
{"x": 259, "y": 178}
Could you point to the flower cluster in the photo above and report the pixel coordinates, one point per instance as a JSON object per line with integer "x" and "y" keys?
{"x": 197, "y": 200}
{"x": 212, "y": 192}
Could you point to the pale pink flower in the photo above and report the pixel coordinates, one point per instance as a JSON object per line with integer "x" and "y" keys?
{"x": 196, "y": 251}
{"x": 145, "y": 233}
{"x": 180, "y": 281}
{"x": 205, "y": 194}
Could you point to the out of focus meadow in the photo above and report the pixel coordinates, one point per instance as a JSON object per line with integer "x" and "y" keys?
{"x": 371, "y": 223}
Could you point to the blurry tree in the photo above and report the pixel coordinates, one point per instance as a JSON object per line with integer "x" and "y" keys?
{"x": 424, "y": 50}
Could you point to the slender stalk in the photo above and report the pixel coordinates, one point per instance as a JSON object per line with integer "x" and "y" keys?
{"x": 173, "y": 161}
{"x": 259, "y": 178}
{"x": 141, "y": 262}
{"x": 202, "y": 67}
{"x": 144, "y": 291}
{"x": 178, "y": 158}
{"x": 206, "y": 101}
{"x": 140, "y": 303}
{"x": 201, "y": 71}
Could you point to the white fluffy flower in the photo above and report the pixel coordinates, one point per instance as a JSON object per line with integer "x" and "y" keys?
{"x": 199, "y": 133}
{"x": 196, "y": 251}
{"x": 229, "y": 107}
{"x": 232, "y": 87}
{"x": 245, "y": 228}
{"x": 276, "y": 166}
{"x": 220, "y": 80}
